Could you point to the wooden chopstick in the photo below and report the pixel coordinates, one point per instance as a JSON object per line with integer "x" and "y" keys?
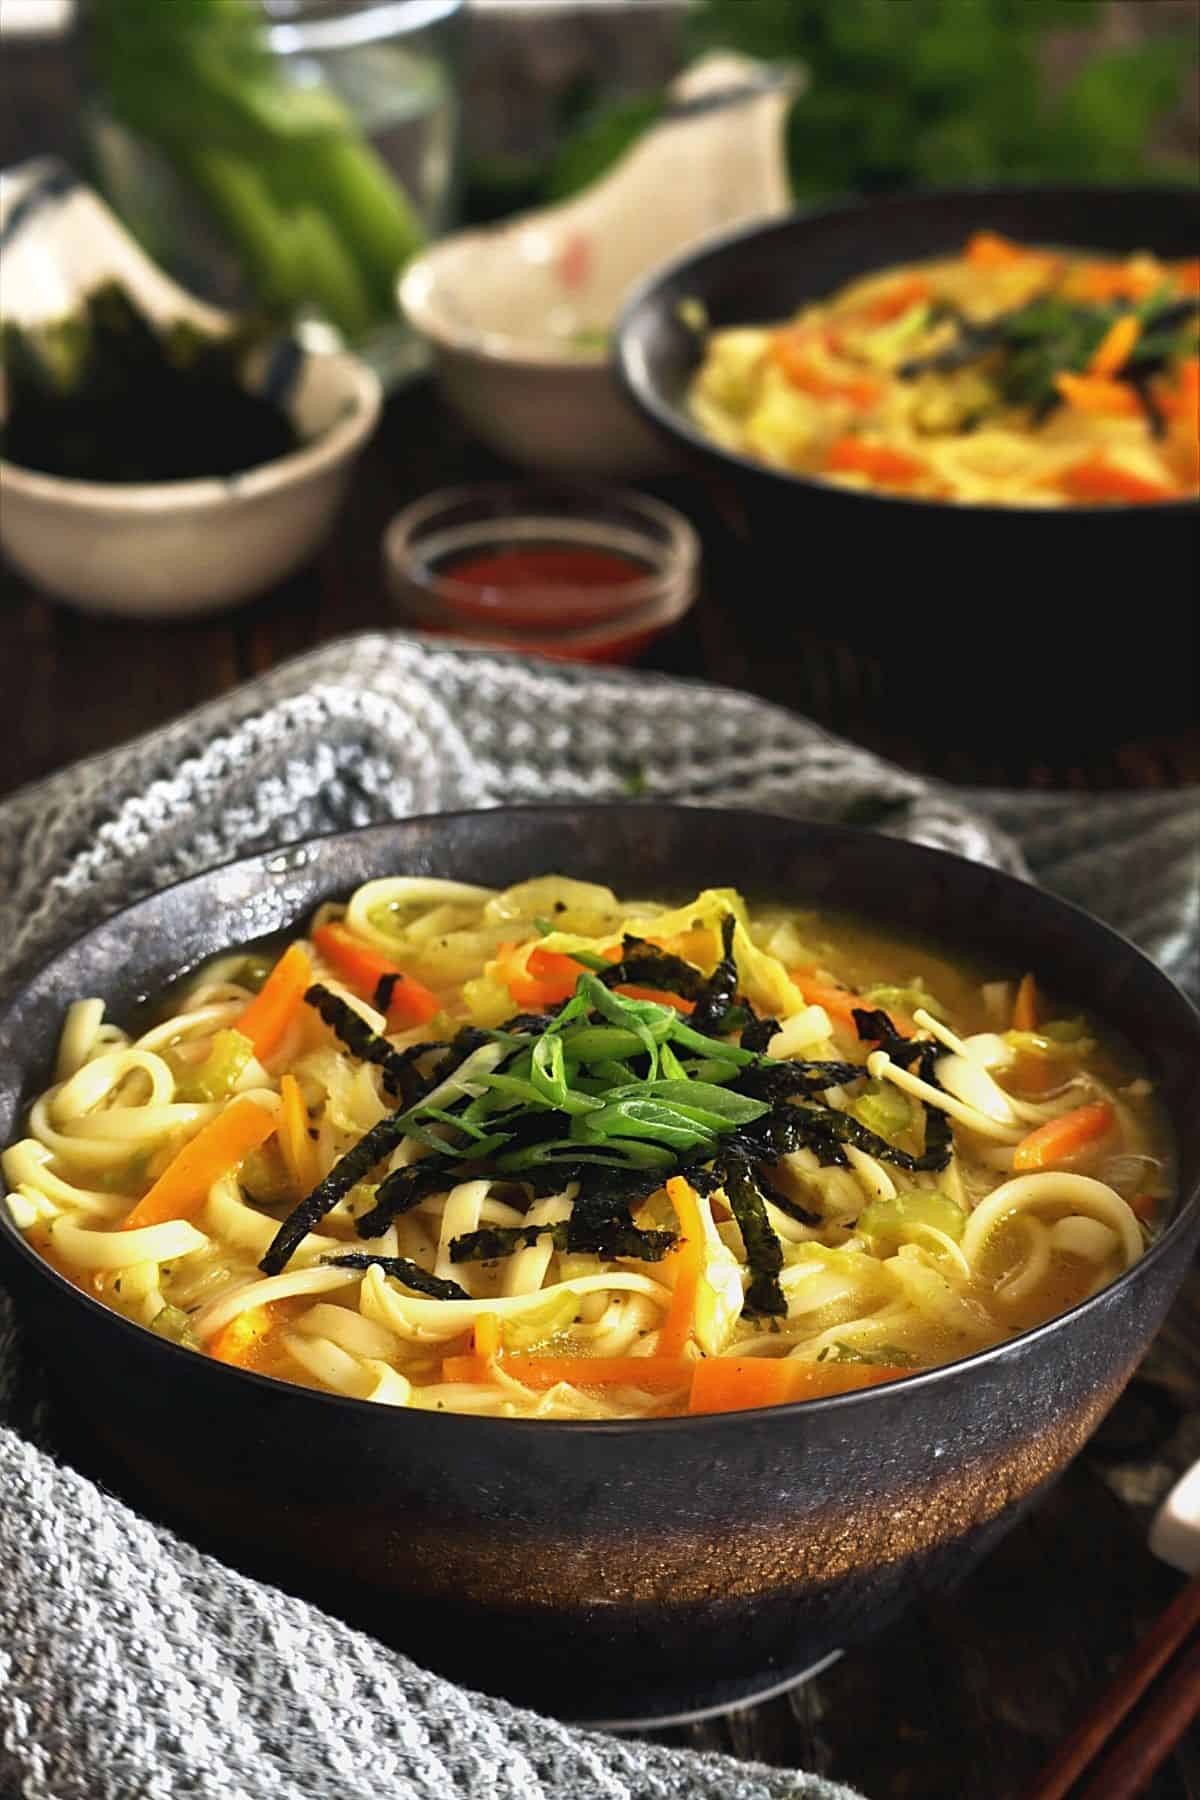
{"x": 1164, "y": 1720}
{"x": 1127, "y": 1767}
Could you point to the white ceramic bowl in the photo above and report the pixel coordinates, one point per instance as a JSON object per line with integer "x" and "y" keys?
{"x": 516, "y": 315}
{"x": 180, "y": 547}
{"x": 160, "y": 549}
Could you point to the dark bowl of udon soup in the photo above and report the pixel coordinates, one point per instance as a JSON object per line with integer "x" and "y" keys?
{"x": 619, "y": 1254}
{"x": 955, "y": 430}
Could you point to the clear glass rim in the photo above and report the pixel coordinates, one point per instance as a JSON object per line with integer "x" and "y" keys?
{"x": 509, "y": 514}
{"x": 366, "y": 23}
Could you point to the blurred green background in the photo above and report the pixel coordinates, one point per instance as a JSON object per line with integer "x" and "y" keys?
{"x": 905, "y": 93}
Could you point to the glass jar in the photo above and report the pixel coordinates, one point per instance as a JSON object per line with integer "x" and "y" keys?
{"x": 292, "y": 153}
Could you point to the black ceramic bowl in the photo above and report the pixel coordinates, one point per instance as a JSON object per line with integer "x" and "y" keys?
{"x": 977, "y": 602}
{"x": 629, "y": 1568}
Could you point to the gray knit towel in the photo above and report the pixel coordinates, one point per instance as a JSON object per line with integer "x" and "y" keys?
{"x": 131, "y": 1666}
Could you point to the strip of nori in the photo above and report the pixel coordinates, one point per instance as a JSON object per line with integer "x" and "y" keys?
{"x": 611, "y": 1238}
{"x": 352, "y": 1168}
{"x": 405, "y": 1188}
{"x": 939, "y": 1133}
{"x": 644, "y": 965}
{"x": 785, "y": 1080}
{"x": 764, "y": 1252}
{"x": 385, "y": 988}
{"x": 396, "y": 1066}
{"x": 758, "y": 1033}
{"x": 410, "y": 1273}
{"x": 720, "y": 990}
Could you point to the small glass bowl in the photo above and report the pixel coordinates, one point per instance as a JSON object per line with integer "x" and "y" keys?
{"x": 572, "y": 613}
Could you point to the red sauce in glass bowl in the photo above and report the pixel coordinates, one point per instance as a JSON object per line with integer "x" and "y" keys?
{"x": 563, "y": 585}
{"x": 553, "y": 569}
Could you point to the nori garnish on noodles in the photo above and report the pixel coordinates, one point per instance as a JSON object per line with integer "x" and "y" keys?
{"x": 346, "y": 1173}
{"x": 610, "y": 1238}
{"x": 720, "y": 990}
{"x": 385, "y": 988}
{"x": 789, "y": 1080}
{"x": 645, "y": 965}
{"x": 758, "y": 1033}
{"x": 434, "y": 1287}
{"x": 405, "y": 1188}
{"x": 764, "y": 1252}
{"x": 396, "y": 1066}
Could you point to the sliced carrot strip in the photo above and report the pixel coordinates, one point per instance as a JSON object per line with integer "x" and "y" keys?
{"x": 362, "y": 967}
{"x": 660, "y": 1374}
{"x": 879, "y": 462}
{"x": 1111, "y": 281}
{"x": 730, "y": 1384}
{"x": 299, "y": 1151}
{"x": 1116, "y": 346}
{"x": 1096, "y": 479}
{"x": 791, "y": 351}
{"x": 1025, "y": 1007}
{"x": 659, "y": 998}
{"x": 1060, "y": 1138}
{"x": 236, "y": 1342}
{"x": 898, "y": 299}
{"x": 535, "y": 977}
{"x": 687, "y": 1266}
{"x": 1098, "y": 394}
{"x": 841, "y": 1003}
{"x": 183, "y": 1186}
{"x": 988, "y": 250}
{"x": 1183, "y": 400}
{"x": 274, "y": 1007}
{"x": 1187, "y": 275}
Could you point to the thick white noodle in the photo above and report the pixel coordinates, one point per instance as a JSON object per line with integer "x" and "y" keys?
{"x": 405, "y": 891}
{"x": 1086, "y": 1238}
{"x": 83, "y": 1021}
{"x": 26, "y": 1165}
{"x": 433, "y": 1321}
{"x": 460, "y": 1214}
{"x": 1036, "y": 1265}
{"x": 260, "y": 1292}
{"x": 348, "y": 1329}
{"x": 361, "y": 1379}
{"x": 231, "y": 1221}
{"x": 874, "y": 1178}
{"x": 86, "y": 1249}
{"x": 100, "y": 1080}
{"x": 525, "y": 1272}
{"x": 197, "y": 1021}
{"x": 1054, "y": 1188}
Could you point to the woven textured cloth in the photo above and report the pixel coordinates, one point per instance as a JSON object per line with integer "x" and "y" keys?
{"x": 131, "y": 1665}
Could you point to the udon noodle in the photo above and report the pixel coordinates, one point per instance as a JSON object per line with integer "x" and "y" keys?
{"x": 1006, "y": 375}
{"x": 544, "y": 1153}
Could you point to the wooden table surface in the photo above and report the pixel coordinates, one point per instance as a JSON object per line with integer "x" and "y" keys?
{"x": 967, "y": 1696}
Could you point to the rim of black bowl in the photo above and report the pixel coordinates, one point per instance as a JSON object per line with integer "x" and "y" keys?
{"x": 675, "y": 424}
{"x": 269, "y": 1385}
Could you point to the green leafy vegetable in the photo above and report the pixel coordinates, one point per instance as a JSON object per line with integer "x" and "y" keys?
{"x": 217, "y": 1076}
{"x": 890, "y": 1223}
{"x": 280, "y": 162}
{"x": 883, "y": 1109}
